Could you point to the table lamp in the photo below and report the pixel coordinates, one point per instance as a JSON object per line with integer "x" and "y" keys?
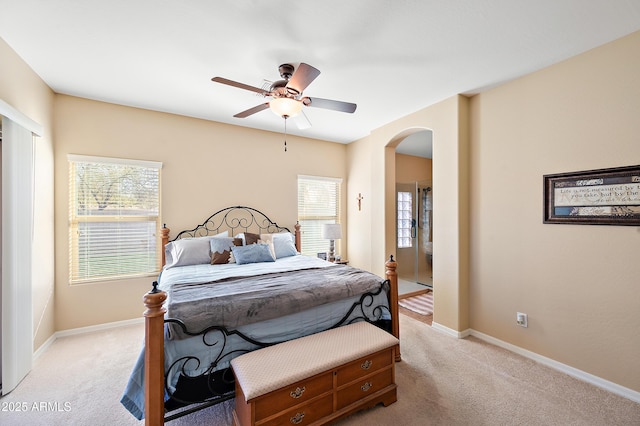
{"x": 332, "y": 232}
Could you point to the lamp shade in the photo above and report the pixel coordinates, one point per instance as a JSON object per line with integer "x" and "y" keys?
{"x": 332, "y": 231}
{"x": 285, "y": 107}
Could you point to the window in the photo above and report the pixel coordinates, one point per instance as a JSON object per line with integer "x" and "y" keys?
{"x": 114, "y": 219}
{"x": 405, "y": 216}
{"x": 318, "y": 203}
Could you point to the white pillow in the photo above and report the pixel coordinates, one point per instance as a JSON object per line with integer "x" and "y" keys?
{"x": 283, "y": 244}
{"x": 189, "y": 251}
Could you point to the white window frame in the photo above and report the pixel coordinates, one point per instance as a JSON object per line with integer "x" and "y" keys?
{"x": 122, "y": 269}
{"x": 313, "y": 217}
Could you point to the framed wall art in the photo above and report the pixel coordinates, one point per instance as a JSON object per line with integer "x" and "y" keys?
{"x": 593, "y": 197}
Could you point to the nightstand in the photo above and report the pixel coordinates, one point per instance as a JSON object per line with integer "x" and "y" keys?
{"x": 341, "y": 262}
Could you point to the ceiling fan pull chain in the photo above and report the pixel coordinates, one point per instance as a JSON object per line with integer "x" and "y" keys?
{"x": 285, "y": 132}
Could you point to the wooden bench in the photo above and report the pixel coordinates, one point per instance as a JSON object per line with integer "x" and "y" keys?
{"x": 316, "y": 379}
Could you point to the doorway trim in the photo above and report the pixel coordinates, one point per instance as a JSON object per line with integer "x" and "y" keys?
{"x": 17, "y": 117}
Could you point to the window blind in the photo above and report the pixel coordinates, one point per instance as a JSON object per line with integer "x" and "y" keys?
{"x": 114, "y": 218}
{"x": 318, "y": 203}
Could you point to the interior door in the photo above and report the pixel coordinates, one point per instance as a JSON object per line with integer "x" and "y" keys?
{"x": 424, "y": 243}
{"x": 406, "y": 231}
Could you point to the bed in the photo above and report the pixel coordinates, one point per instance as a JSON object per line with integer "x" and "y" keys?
{"x": 231, "y": 285}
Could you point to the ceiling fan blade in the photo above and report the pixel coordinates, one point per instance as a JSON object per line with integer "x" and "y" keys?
{"x": 302, "y": 121}
{"x": 253, "y": 110}
{"x": 329, "y": 104}
{"x": 239, "y": 85}
{"x": 302, "y": 77}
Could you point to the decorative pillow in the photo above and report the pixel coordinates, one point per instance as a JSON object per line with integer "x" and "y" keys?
{"x": 283, "y": 244}
{"x": 271, "y": 249}
{"x": 248, "y": 238}
{"x": 221, "y": 249}
{"x": 253, "y": 253}
{"x": 187, "y": 251}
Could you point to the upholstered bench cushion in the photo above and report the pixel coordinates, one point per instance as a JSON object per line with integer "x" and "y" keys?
{"x": 265, "y": 370}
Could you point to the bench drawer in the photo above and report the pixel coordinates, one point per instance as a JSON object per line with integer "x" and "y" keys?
{"x": 303, "y": 415}
{"x": 294, "y": 394}
{"x": 364, "y": 387}
{"x": 332, "y": 373}
{"x": 363, "y": 366}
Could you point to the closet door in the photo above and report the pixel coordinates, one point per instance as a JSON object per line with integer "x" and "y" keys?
{"x": 17, "y": 238}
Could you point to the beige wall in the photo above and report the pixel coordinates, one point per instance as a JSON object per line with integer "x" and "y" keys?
{"x": 376, "y": 172}
{"x": 21, "y": 88}
{"x": 360, "y": 230}
{"x": 206, "y": 166}
{"x": 492, "y": 254}
{"x": 411, "y": 169}
{"x": 577, "y": 283}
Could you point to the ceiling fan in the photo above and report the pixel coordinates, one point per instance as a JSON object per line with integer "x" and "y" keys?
{"x": 286, "y": 94}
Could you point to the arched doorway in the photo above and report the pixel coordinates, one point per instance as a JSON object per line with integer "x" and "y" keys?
{"x": 449, "y": 121}
{"x": 414, "y": 212}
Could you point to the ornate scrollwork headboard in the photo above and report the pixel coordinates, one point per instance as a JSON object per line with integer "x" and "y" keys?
{"x": 234, "y": 219}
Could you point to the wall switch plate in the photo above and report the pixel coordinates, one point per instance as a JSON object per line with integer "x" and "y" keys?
{"x": 521, "y": 319}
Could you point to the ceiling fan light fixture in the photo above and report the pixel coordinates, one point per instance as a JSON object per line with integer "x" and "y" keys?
{"x": 285, "y": 107}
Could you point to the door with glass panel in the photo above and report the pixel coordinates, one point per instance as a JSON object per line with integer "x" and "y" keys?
{"x": 424, "y": 233}
{"x": 414, "y": 232}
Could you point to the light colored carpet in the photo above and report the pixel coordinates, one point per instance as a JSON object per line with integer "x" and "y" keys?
{"x": 421, "y": 304}
{"x": 441, "y": 381}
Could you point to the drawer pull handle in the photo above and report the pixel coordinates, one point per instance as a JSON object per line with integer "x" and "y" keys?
{"x": 297, "y": 393}
{"x": 366, "y": 386}
{"x": 297, "y": 419}
{"x": 366, "y": 365}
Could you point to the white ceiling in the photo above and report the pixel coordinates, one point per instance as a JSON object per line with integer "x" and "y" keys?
{"x": 418, "y": 144}
{"x": 390, "y": 57}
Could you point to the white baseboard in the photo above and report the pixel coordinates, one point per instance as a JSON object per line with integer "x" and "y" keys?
{"x": 82, "y": 330}
{"x": 99, "y": 327}
{"x": 563, "y": 368}
{"x": 449, "y": 331}
{"x": 43, "y": 347}
{"x": 566, "y": 369}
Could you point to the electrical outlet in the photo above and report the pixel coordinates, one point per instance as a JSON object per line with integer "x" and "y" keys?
{"x": 521, "y": 319}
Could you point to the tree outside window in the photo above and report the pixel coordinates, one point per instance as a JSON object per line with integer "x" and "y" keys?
{"x": 114, "y": 218}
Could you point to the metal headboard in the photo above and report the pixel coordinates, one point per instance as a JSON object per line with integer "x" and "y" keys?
{"x": 234, "y": 219}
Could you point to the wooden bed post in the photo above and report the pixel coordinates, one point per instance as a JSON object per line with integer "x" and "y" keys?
{"x": 165, "y": 241}
{"x": 298, "y": 237}
{"x": 154, "y": 356}
{"x": 392, "y": 276}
